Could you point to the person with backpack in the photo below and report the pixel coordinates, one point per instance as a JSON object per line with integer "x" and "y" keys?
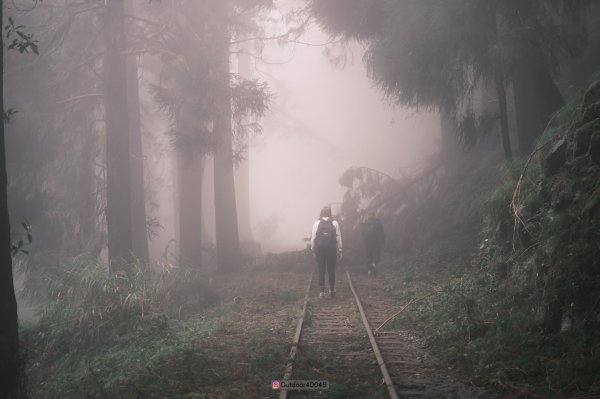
{"x": 326, "y": 244}
{"x": 374, "y": 237}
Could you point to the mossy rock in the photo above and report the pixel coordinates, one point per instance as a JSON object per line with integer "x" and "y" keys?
{"x": 592, "y": 94}
{"x": 592, "y": 203}
{"x": 583, "y": 136}
{"x": 587, "y": 114}
{"x": 595, "y": 147}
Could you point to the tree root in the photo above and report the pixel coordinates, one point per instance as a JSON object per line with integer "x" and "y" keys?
{"x": 517, "y": 193}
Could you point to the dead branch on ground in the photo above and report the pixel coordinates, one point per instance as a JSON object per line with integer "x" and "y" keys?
{"x": 412, "y": 301}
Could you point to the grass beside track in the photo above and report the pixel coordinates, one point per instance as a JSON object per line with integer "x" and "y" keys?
{"x": 489, "y": 338}
{"x": 232, "y": 347}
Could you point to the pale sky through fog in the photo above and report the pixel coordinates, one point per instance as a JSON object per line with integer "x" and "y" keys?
{"x": 324, "y": 120}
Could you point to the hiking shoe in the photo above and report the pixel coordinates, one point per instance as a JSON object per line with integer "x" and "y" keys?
{"x": 332, "y": 293}
{"x": 322, "y": 294}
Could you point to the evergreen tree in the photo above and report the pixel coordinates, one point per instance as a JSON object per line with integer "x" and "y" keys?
{"x": 206, "y": 104}
{"x": 227, "y": 232}
{"x": 118, "y": 167}
{"x": 139, "y": 231}
{"x": 435, "y": 53}
{"x": 53, "y": 141}
{"x": 10, "y": 364}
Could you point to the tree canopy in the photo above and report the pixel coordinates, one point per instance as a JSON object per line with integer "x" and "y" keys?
{"x": 436, "y": 54}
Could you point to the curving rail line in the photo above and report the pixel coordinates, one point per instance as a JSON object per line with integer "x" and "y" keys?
{"x": 384, "y": 370}
{"x": 405, "y": 367}
{"x": 288, "y": 368}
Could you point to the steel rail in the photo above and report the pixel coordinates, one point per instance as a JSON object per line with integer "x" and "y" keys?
{"x": 384, "y": 371}
{"x": 288, "y": 368}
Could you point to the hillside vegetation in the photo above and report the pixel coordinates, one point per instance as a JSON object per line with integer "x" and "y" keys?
{"x": 515, "y": 302}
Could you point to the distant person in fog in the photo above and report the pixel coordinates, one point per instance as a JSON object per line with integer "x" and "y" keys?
{"x": 374, "y": 237}
{"x": 326, "y": 244}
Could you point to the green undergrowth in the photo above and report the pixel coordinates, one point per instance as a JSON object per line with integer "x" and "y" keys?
{"x": 520, "y": 311}
{"x": 158, "y": 331}
{"x": 490, "y": 330}
{"x": 145, "y": 361}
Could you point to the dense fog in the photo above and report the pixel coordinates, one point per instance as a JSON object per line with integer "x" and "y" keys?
{"x": 179, "y": 178}
{"x": 326, "y": 116}
{"x": 325, "y": 119}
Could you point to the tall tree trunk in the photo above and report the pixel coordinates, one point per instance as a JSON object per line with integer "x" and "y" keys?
{"x": 138, "y": 203}
{"x": 87, "y": 211}
{"x": 576, "y": 72}
{"x": 242, "y": 176}
{"x": 190, "y": 170}
{"x": 536, "y": 99}
{"x": 499, "y": 82}
{"x": 451, "y": 149}
{"x": 118, "y": 171}
{"x": 504, "y": 132}
{"x": 226, "y": 231}
{"x": 10, "y": 364}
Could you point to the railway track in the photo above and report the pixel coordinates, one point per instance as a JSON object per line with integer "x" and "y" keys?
{"x": 334, "y": 342}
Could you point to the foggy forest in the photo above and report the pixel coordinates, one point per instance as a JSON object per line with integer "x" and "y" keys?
{"x": 209, "y": 199}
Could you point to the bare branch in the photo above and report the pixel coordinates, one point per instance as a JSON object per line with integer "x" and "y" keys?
{"x": 297, "y": 30}
{"x": 81, "y": 97}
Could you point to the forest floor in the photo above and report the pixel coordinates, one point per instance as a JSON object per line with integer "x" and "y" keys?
{"x": 232, "y": 347}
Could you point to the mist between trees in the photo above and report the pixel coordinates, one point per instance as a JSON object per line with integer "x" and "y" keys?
{"x": 201, "y": 135}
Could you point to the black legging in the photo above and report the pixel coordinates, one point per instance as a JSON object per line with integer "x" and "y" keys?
{"x": 326, "y": 259}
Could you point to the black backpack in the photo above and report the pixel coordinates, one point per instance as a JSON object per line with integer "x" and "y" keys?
{"x": 325, "y": 238}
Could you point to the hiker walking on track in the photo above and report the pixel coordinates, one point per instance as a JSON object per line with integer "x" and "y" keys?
{"x": 374, "y": 237}
{"x": 326, "y": 244}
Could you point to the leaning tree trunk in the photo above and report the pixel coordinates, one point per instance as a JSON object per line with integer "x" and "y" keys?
{"x": 118, "y": 171}
{"x": 536, "y": 99}
{"x": 226, "y": 232}
{"x": 191, "y": 170}
{"x": 10, "y": 366}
